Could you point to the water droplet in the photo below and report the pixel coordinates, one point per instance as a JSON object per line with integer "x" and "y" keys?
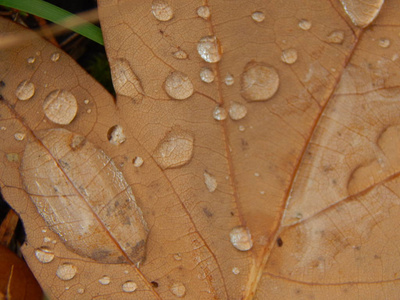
{"x": 161, "y": 10}
{"x": 219, "y": 113}
{"x": 362, "y": 13}
{"x": 289, "y": 56}
{"x": 89, "y": 111}
{"x": 178, "y": 289}
{"x": 175, "y": 149}
{"x": 229, "y": 80}
{"x": 237, "y": 111}
{"x": 210, "y": 181}
{"x": 129, "y": 287}
{"x": 259, "y": 82}
{"x": 203, "y": 12}
{"x": 258, "y": 16}
{"x": 384, "y": 43}
{"x": 180, "y": 54}
{"x": 210, "y": 49}
{"x": 178, "y": 86}
{"x": 44, "y": 230}
{"x": 336, "y": 37}
{"x": 3, "y": 128}
{"x": 207, "y": 75}
{"x": 257, "y": 174}
{"x": 55, "y": 56}
{"x": 19, "y": 136}
{"x": 60, "y": 107}
{"x": 242, "y": 128}
{"x": 105, "y": 280}
{"x": 125, "y": 81}
{"x": 86, "y": 101}
{"x": 241, "y": 238}
{"x": 138, "y": 161}
{"x": 178, "y": 256}
{"x": 66, "y": 271}
{"x": 305, "y": 24}
{"x": 25, "y": 90}
{"x": 80, "y": 290}
{"x": 116, "y": 135}
{"x": 44, "y": 255}
{"x": 235, "y": 271}
{"x": 31, "y": 60}
{"x": 13, "y": 157}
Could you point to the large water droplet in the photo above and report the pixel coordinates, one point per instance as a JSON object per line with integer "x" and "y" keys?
{"x": 25, "y": 90}
{"x": 161, "y": 10}
{"x": 229, "y": 80}
{"x": 258, "y": 16}
{"x": 178, "y": 289}
{"x": 210, "y": 181}
{"x": 105, "y": 280}
{"x": 203, "y": 12}
{"x": 180, "y": 54}
{"x": 66, "y": 271}
{"x": 259, "y": 82}
{"x": 178, "y": 86}
{"x": 55, "y": 56}
{"x": 60, "y": 107}
{"x": 207, "y": 75}
{"x": 289, "y": 56}
{"x": 116, "y": 135}
{"x": 241, "y": 238}
{"x": 129, "y": 286}
{"x": 219, "y": 113}
{"x": 44, "y": 255}
{"x": 210, "y": 49}
{"x": 305, "y": 24}
{"x": 336, "y": 37}
{"x": 175, "y": 149}
{"x": 125, "y": 81}
{"x": 237, "y": 111}
{"x": 362, "y": 13}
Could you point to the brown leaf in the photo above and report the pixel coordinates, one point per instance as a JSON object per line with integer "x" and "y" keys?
{"x": 260, "y": 142}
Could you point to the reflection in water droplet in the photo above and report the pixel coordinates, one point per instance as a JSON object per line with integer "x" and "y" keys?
{"x": 105, "y": 280}
{"x": 203, "y": 12}
{"x": 289, "y": 56}
{"x": 44, "y": 255}
{"x": 210, "y": 49}
{"x": 305, "y": 24}
{"x": 180, "y": 54}
{"x": 66, "y": 271}
{"x": 237, "y": 111}
{"x": 80, "y": 290}
{"x": 138, "y": 162}
{"x": 241, "y": 238}
{"x": 336, "y": 37}
{"x": 362, "y": 13}
{"x": 178, "y": 256}
{"x": 219, "y": 113}
{"x": 207, "y": 75}
{"x": 116, "y": 135}
{"x": 60, "y": 107}
{"x": 129, "y": 287}
{"x": 25, "y": 90}
{"x": 229, "y": 80}
{"x": 19, "y": 136}
{"x": 235, "y": 271}
{"x": 175, "y": 149}
{"x": 31, "y": 60}
{"x": 259, "y": 82}
{"x": 55, "y": 56}
{"x": 178, "y": 86}
{"x": 161, "y": 10}
{"x": 210, "y": 181}
{"x": 258, "y": 16}
{"x": 125, "y": 81}
{"x": 384, "y": 43}
{"x": 178, "y": 289}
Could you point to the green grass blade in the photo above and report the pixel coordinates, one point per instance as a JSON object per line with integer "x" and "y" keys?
{"x": 56, "y": 15}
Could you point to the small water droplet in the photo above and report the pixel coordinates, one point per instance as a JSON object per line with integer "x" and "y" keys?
{"x": 55, "y": 56}
{"x": 180, "y": 54}
{"x": 336, "y": 37}
{"x": 203, "y": 12}
{"x": 47, "y": 239}
{"x": 262, "y": 192}
{"x": 105, "y": 280}
{"x": 362, "y": 13}
{"x": 209, "y": 49}
{"x": 67, "y": 288}
{"x": 384, "y": 43}
{"x": 258, "y": 16}
{"x": 257, "y": 174}
{"x": 19, "y": 136}
{"x": 138, "y": 162}
{"x": 237, "y": 111}
{"x": 178, "y": 86}
{"x": 229, "y": 80}
{"x": 210, "y": 181}
{"x": 66, "y": 271}
{"x": 89, "y": 111}
{"x": 241, "y": 238}
{"x": 86, "y": 101}
{"x": 259, "y": 82}
{"x": 44, "y": 230}
{"x": 207, "y": 75}
{"x": 126, "y": 272}
{"x": 25, "y": 90}
{"x": 44, "y": 255}
{"x": 129, "y": 287}
{"x": 242, "y": 128}
{"x": 289, "y": 56}
{"x": 161, "y": 10}
{"x": 178, "y": 289}
{"x": 395, "y": 57}
{"x": 12, "y": 157}
{"x": 31, "y": 60}
{"x": 235, "y": 271}
{"x": 116, "y": 135}
{"x": 305, "y": 24}
{"x": 3, "y": 128}
{"x": 178, "y": 256}
{"x": 80, "y": 290}
{"x": 219, "y": 113}
{"x": 175, "y": 149}
{"x": 60, "y": 107}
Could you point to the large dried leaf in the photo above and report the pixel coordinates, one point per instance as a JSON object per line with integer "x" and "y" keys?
{"x": 306, "y": 161}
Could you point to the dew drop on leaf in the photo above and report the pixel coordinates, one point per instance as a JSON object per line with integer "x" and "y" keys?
{"x": 203, "y": 12}
{"x": 207, "y": 75}
{"x": 116, "y": 135}
{"x": 105, "y": 280}
{"x": 384, "y": 43}
{"x": 161, "y": 10}
{"x": 138, "y": 162}
{"x": 289, "y": 56}
{"x": 209, "y": 49}
{"x": 219, "y": 113}
{"x": 60, "y": 107}
{"x": 210, "y": 181}
{"x": 336, "y": 37}
{"x": 241, "y": 238}
{"x": 229, "y": 80}
{"x": 19, "y": 136}
{"x": 258, "y": 16}
{"x": 66, "y": 271}
{"x": 305, "y": 24}
{"x": 25, "y": 90}
{"x": 125, "y": 81}
{"x": 178, "y": 256}
{"x": 55, "y": 56}
{"x": 259, "y": 82}
{"x": 129, "y": 286}
{"x": 80, "y": 290}
{"x": 362, "y": 13}
{"x": 235, "y": 271}
{"x": 44, "y": 255}
{"x": 178, "y": 86}
{"x": 180, "y": 54}
{"x": 178, "y": 289}
{"x": 237, "y": 111}
{"x": 31, "y": 60}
